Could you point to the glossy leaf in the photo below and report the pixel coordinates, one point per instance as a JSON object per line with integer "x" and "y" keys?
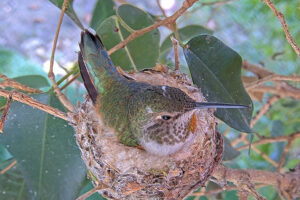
{"x": 186, "y": 33}
{"x": 12, "y": 64}
{"x": 69, "y": 11}
{"x": 230, "y": 153}
{"x": 140, "y": 53}
{"x": 102, "y": 10}
{"x": 12, "y": 184}
{"x": 34, "y": 81}
{"x": 45, "y": 149}
{"x": 216, "y": 70}
{"x": 4, "y": 154}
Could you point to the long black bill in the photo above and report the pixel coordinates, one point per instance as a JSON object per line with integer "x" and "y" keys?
{"x": 218, "y": 105}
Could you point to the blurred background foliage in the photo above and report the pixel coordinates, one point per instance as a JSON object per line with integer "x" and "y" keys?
{"x": 248, "y": 27}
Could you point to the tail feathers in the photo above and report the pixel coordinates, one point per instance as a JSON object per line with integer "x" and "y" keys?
{"x": 93, "y": 51}
{"x": 93, "y": 62}
{"x": 87, "y": 80}
{"x": 218, "y": 105}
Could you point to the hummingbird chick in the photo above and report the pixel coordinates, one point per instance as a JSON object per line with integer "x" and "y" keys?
{"x": 161, "y": 119}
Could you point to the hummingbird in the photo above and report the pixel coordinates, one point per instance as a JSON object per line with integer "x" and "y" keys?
{"x": 158, "y": 118}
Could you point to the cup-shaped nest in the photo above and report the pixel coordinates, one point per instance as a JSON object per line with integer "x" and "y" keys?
{"x": 132, "y": 173}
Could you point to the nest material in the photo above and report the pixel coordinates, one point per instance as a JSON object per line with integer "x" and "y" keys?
{"x": 132, "y": 173}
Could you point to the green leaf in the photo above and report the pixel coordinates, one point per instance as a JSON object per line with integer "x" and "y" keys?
{"x": 216, "y": 70}
{"x": 45, "y": 149}
{"x": 34, "y": 81}
{"x": 4, "y": 154}
{"x": 102, "y": 10}
{"x": 69, "y": 11}
{"x": 230, "y": 153}
{"x": 186, "y": 33}
{"x": 13, "y": 64}
{"x": 12, "y": 184}
{"x": 140, "y": 53}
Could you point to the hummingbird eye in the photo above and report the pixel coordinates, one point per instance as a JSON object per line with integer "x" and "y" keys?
{"x": 166, "y": 117}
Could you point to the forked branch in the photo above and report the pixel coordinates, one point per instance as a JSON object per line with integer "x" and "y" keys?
{"x": 169, "y": 20}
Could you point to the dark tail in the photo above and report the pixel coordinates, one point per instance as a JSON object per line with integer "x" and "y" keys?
{"x": 94, "y": 63}
{"x": 218, "y": 105}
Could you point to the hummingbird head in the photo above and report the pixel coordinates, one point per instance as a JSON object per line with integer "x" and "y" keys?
{"x": 167, "y": 118}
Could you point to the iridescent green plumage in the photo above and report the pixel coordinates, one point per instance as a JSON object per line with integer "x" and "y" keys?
{"x": 156, "y": 117}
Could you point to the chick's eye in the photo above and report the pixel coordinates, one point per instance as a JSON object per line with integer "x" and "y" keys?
{"x": 166, "y": 117}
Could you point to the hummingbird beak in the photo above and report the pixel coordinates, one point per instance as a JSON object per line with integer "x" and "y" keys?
{"x": 218, "y": 105}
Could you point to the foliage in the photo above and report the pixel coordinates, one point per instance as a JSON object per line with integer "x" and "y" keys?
{"x": 48, "y": 160}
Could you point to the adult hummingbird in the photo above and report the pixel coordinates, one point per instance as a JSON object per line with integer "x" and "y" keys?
{"x": 161, "y": 119}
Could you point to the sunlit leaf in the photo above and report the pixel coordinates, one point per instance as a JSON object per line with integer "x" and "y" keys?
{"x": 216, "y": 70}
{"x": 140, "y": 53}
{"x": 34, "y": 81}
{"x": 102, "y": 10}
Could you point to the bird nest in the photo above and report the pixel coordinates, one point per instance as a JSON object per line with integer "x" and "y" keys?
{"x": 132, "y": 173}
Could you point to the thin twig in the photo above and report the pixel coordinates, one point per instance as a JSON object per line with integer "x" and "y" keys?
{"x": 219, "y": 190}
{"x": 266, "y": 107}
{"x": 239, "y": 177}
{"x": 259, "y": 71}
{"x": 273, "y": 77}
{"x": 175, "y": 44}
{"x": 162, "y": 10}
{"x": 8, "y": 167}
{"x": 91, "y": 192}
{"x": 5, "y": 112}
{"x": 70, "y": 81}
{"x": 7, "y": 82}
{"x": 23, "y": 98}
{"x": 264, "y": 155}
{"x": 169, "y": 20}
{"x": 280, "y": 91}
{"x": 284, "y": 153}
{"x": 64, "y": 100}
{"x": 280, "y": 16}
{"x": 271, "y": 140}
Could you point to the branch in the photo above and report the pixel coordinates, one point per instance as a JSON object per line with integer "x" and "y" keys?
{"x": 266, "y": 107}
{"x": 8, "y": 167}
{"x": 162, "y": 10}
{"x": 284, "y": 153}
{"x": 272, "y": 140}
{"x": 5, "y": 112}
{"x": 284, "y": 26}
{"x": 169, "y": 20}
{"x": 288, "y": 182}
{"x": 23, "y": 98}
{"x": 63, "y": 99}
{"x": 7, "y": 82}
{"x": 175, "y": 44}
{"x": 280, "y": 91}
{"x": 90, "y": 192}
{"x": 219, "y": 190}
{"x": 273, "y": 77}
